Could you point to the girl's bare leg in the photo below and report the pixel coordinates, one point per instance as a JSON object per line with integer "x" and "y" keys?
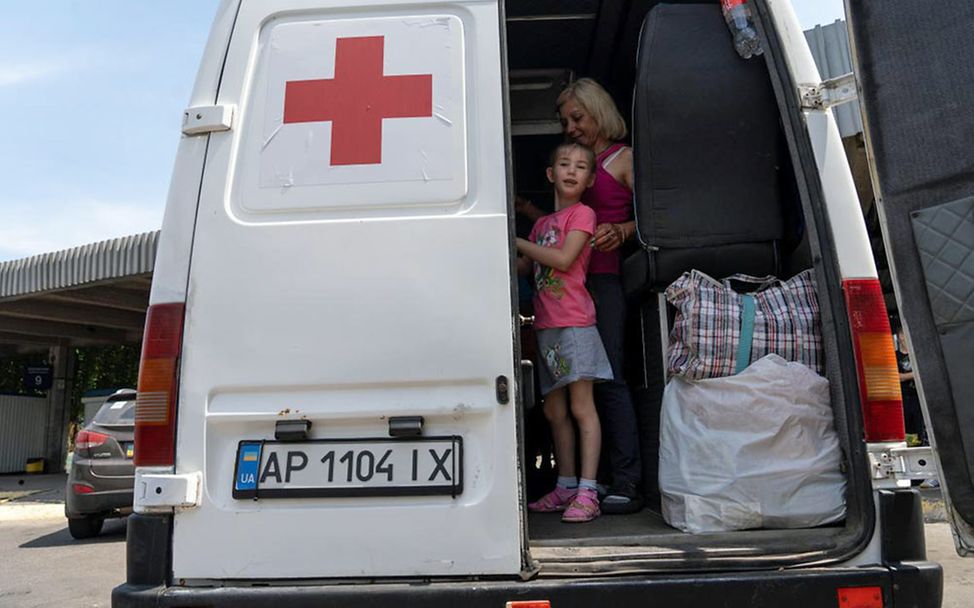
{"x": 589, "y": 429}
{"x": 562, "y": 431}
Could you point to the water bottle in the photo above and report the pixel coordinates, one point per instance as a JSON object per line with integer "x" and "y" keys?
{"x": 738, "y": 16}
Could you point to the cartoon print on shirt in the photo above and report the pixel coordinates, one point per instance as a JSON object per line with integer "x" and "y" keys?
{"x": 544, "y": 276}
{"x": 550, "y": 238}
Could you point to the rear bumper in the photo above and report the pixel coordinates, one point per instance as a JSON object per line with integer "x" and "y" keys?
{"x": 98, "y": 502}
{"x": 916, "y": 584}
{"x": 110, "y": 494}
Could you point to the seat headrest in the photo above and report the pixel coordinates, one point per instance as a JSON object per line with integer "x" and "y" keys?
{"x": 707, "y": 138}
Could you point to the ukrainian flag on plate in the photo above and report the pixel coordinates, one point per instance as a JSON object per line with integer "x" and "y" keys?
{"x": 248, "y": 462}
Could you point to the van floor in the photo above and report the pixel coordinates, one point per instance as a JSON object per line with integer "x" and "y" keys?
{"x": 548, "y": 529}
{"x": 559, "y": 544}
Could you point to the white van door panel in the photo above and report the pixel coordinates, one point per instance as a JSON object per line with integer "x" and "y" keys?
{"x": 351, "y": 263}
{"x": 916, "y": 102}
{"x": 838, "y": 188}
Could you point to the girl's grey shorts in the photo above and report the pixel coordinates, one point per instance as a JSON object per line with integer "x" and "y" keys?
{"x": 568, "y": 354}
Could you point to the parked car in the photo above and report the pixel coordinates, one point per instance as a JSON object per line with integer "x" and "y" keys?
{"x": 102, "y": 470}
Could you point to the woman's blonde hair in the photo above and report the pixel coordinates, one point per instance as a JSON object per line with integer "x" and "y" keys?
{"x": 597, "y": 102}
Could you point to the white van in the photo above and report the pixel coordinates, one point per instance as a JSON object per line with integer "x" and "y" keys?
{"x": 332, "y": 404}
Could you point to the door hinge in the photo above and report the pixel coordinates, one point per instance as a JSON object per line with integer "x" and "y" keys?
{"x": 902, "y": 464}
{"x": 200, "y": 120}
{"x": 158, "y": 492}
{"x": 828, "y": 93}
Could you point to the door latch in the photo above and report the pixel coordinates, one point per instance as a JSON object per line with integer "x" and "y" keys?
{"x": 200, "y": 120}
{"x": 158, "y": 492}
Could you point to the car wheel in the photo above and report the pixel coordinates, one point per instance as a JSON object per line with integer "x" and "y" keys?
{"x": 85, "y": 527}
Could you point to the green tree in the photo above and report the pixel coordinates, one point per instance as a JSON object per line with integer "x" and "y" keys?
{"x": 12, "y": 373}
{"x": 95, "y": 367}
{"x": 103, "y": 367}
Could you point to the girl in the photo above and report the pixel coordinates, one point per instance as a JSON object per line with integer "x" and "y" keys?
{"x": 590, "y": 117}
{"x": 571, "y": 352}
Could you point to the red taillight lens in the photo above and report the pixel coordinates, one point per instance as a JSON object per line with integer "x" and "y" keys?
{"x": 860, "y": 597}
{"x": 80, "y": 488}
{"x": 88, "y": 439}
{"x": 879, "y": 381}
{"x": 155, "y": 406}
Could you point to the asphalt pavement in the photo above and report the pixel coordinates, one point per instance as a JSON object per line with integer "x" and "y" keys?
{"x": 43, "y": 567}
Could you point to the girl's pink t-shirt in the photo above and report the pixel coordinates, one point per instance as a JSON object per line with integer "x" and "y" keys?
{"x": 560, "y": 298}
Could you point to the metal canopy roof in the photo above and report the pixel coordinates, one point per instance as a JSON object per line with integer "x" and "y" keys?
{"x": 90, "y": 295}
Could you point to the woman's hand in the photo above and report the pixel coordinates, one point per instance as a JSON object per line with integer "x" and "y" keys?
{"x": 526, "y": 208}
{"x": 608, "y": 237}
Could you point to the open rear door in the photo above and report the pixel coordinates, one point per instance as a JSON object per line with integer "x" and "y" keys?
{"x": 349, "y": 310}
{"x": 915, "y": 66}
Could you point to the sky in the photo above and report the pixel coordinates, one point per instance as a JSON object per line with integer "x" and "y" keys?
{"x": 91, "y": 99}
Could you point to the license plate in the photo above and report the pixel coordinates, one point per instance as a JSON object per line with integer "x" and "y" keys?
{"x": 349, "y": 467}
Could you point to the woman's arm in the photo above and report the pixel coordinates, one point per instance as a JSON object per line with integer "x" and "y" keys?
{"x": 620, "y": 167}
{"x": 558, "y": 258}
{"x": 625, "y": 161}
{"x": 609, "y": 237}
{"x": 526, "y": 208}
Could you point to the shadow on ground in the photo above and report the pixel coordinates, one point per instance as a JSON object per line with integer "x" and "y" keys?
{"x": 113, "y": 532}
{"x": 50, "y": 497}
{"x": 32, "y": 488}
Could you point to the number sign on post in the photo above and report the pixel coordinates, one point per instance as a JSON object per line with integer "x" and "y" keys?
{"x": 38, "y": 378}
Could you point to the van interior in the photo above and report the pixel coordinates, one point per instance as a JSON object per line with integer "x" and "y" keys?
{"x": 716, "y": 189}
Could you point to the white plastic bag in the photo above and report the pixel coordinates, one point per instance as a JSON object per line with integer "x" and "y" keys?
{"x": 754, "y": 450}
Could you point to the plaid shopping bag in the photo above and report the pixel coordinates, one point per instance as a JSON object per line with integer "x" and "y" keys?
{"x": 705, "y": 341}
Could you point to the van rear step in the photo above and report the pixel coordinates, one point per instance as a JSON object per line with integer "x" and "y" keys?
{"x": 913, "y": 584}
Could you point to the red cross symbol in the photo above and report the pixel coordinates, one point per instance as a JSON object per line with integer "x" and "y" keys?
{"x": 357, "y": 99}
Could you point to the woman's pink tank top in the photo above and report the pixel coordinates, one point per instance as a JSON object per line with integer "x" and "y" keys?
{"x": 612, "y": 202}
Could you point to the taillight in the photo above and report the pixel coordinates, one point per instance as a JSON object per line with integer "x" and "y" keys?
{"x": 81, "y": 488}
{"x": 85, "y": 440}
{"x": 155, "y": 405}
{"x": 879, "y": 381}
{"x": 860, "y": 597}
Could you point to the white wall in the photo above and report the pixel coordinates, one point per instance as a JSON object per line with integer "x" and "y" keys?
{"x": 23, "y": 422}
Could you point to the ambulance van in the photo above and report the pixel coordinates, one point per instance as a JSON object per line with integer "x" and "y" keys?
{"x": 333, "y": 403}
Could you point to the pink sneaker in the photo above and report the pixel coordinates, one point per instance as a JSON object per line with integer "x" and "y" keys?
{"x": 555, "y": 500}
{"x": 584, "y": 507}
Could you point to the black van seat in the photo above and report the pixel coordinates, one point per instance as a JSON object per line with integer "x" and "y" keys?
{"x": 707, "y": 150}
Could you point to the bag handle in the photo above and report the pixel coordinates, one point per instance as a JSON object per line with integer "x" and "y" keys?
{"x": 759, "y": 283}
{"x": 747, "y": 334}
